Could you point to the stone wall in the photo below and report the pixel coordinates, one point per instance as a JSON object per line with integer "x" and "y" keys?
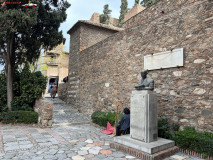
{"x": 96, "y": 19}
{"x": 62, "y": 91}
{"x": 91, "y": 35}
{"x": 82, "y": 37}
{"x": 135, "y": 10}
{"x": 161, "y": 8}
{"x": 45, "y": 112}
{"x": 113, "y": 65}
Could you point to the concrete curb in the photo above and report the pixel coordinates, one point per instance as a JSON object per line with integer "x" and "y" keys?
{"x": 143, "y": 155}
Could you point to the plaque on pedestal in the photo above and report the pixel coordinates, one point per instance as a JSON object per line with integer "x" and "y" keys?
{"x": 143, "y": 118}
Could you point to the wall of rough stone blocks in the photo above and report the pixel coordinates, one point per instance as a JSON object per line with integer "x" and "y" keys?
{"x": 62, "y": 91}
{"x": 135, "y": 10}
{"x": 96, "y": 19}
{"x": 45, "y": 112}
{"x": 161, "y": 8}
{"x": 91, "y": 35}
{"x": 81, "y": 38}
{"x": 73, "y": 67}
{"x": 185, "y": 94}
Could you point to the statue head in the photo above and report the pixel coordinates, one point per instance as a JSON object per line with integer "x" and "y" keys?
{"x": 144, "y": 73}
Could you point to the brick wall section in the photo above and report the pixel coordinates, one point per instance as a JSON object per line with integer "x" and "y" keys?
{"x": 135, "y": 10}
{"x": 45, "y": 112}
{"x": 82, "y": 37}
{"x": 155, "y": 11}
{"x": 145, "y": 156}
{"x": 91, "y": 35}
{"x": 185, "y": 94}
{"x": 73, "y": 67}
{"x": 95, "y": 18}
{"x": 113, "y": 21}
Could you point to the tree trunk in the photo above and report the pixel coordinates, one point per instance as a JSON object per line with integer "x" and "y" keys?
{"x": 9, "y": 68}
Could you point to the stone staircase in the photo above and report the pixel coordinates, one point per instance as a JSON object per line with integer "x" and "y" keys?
{"x": 65, "y": 115}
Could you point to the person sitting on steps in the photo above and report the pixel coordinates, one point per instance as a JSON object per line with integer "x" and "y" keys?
{"x": 124, "y": 123}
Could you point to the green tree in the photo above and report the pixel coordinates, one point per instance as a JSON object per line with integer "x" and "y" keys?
{"x": 23, "y": 30}
{"x": 104, "y": 18}
{"x": 137, "y": 2}
{"x": 124, "y": 9}
{"x": 147, "y": 3}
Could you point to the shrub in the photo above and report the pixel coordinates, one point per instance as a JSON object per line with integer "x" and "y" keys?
{"x": 19, "y": 117}
{"x": 189, "y": 138}
{"x": 165, "y": 130}
{"x": 27, "y": 87}
{"x": 101, "y": 118}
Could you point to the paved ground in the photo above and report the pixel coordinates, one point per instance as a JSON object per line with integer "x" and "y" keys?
{"x": 62, "y": 142}
{"x": 65, "y": 115}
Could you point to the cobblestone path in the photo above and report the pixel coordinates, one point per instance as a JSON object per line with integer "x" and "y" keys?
{"x": 62, "y": 142}
{"x": 65, "y": 115}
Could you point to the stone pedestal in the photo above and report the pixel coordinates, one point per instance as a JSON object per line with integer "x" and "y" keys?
{"x": 143, "y": 118}
{"x": 143, "y": 141}
{"x": 150, "y": 148}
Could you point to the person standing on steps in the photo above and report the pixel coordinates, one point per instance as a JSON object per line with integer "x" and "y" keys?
{"x": 53, "y": 90}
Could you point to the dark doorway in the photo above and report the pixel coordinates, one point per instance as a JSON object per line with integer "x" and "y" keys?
{"x": 51, "y": 82}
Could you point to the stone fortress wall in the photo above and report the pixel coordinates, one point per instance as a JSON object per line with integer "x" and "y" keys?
{"x": 185, "y": 94}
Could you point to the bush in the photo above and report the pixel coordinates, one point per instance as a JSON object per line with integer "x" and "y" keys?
{"x": 165, "y": 130}
{"x": 19, "y": 117}
{"x": 189, "y": 138}
{"x": 101, "y": 118}
{"x": 27, "y": 87}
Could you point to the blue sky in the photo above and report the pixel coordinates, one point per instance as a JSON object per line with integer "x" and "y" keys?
{"x": 83, "y": 10}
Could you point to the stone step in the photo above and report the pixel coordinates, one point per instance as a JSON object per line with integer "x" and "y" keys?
{"x": 69, "y": 117}
{"x": 55, "y": 100}
{"x": 64, "y": 111}
{"x": 70, "y": 124}
{"x": 65, "y": 107}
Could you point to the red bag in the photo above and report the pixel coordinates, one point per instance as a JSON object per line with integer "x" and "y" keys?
{"x": 109, "y": 129}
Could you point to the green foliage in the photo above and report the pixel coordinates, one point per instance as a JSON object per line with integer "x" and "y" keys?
{"x": 164, "y": 129}
{"x": 27, "y": 88}
{"x": 104, "y": 18}
{"x": 19, "y": 117}
{"x": 147, "y": 3}
{"x": 3, "y": 93}
{"x": 137, "y": 2}
{"x": 32, "y": 27}
{"x": 124, "y": 9}
{"x": 190, "y": 139}
{"x": 101, "y": 118}
{"x": 24, "y": 30}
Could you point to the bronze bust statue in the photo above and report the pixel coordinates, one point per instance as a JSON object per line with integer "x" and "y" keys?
{"x": 145, "y": 83}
